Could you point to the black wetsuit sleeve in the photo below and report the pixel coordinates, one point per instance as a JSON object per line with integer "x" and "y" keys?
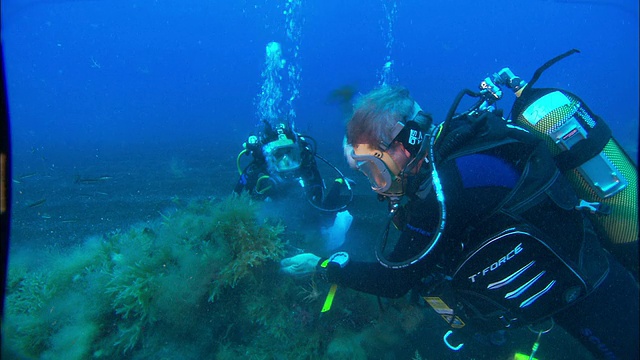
{"x": 374, "y": 278}
{"x": 420, "y": 219}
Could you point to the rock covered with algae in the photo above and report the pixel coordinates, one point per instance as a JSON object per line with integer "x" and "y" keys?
{"x": 101, "y": 298}
{"x": 201, "y": 283}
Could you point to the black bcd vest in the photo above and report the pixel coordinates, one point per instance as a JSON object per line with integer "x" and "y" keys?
{"x": 526, "y": 255}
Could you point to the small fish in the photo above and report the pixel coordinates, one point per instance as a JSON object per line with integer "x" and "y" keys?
{"x": 27, "y": 175}
{"x": 343, "y": 96}
{"x": 165, "y": 217}
{"x": 80, "y": 180}
{"x": 37, "y": 203}
{"x": 95, "y": 64}
{"x": 22, "y": 177}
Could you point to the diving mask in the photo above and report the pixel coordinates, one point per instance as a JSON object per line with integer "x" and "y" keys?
{"x": 381, "y": 170}
{"x": 282, "y": 155}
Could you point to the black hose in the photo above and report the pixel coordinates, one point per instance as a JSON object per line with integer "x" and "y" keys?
{"x": 456, "y": 103}
{"x": 313, "y": 143}
{"x": 437, "y": 187}
{"x": 550, "y": 63}
{"x": 346, "y": 182}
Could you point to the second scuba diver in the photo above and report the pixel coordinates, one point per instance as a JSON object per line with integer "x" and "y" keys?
{"x": 283, "y": 160}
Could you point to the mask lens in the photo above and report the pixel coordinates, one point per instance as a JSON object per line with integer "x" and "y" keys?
{"x": 283, "y": 156}
{"x": 375, "y": 170}
{"x": 378, "y": 179}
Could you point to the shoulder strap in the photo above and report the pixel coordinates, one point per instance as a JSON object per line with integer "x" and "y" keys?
{"x": 539, "y": 177}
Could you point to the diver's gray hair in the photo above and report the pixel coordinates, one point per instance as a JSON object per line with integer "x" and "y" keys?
{"x": 377, "y": 113}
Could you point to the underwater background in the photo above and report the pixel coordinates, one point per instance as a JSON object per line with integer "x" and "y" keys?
{"x": 126, "y": 121}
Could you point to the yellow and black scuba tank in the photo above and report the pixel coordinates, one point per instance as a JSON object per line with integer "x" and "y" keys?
{"x": 603, "y": 175}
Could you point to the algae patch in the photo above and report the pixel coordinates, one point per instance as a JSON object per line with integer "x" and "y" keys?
{"x": 108, "y": 292}
{"x": 202, "y": 282}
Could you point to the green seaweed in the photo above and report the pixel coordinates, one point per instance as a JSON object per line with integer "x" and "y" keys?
{"x": 201, "y": 282}
{"x": 248, "y": 242}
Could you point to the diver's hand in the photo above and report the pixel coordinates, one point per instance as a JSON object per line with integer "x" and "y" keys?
{"x": 300, "y": 265}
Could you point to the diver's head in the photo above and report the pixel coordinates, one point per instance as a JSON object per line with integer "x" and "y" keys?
{"x": 282, "y": 156}
{"x": 281, "y": 150}
{"x": 385, "y": 138}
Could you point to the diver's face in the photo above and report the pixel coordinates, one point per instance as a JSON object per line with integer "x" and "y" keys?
{"x": 382, "y": 168}
{"x": 402, "y": 158}
{"x": 399, "y": 154}
{"x": 379, "y": 168}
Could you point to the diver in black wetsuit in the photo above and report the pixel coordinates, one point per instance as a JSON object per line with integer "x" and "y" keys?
{"x": 491, "y": 235}
{"x": 282, "y": 159}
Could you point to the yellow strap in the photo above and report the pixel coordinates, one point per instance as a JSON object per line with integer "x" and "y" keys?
{"x": 329, "y": 300}
{"x": 259, "y": 181}
{"x": 238, "y": 161}
{"x": 445, "y": 311}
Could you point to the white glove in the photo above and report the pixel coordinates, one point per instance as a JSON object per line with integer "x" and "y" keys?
{"x": 300, "y": 265}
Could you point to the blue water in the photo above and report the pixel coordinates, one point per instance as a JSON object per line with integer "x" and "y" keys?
{"x": 158, "y": 96}
{"x": 93, "y": 72}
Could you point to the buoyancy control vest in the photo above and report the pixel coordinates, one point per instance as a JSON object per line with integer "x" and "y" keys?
{"x": 531, "y": 253}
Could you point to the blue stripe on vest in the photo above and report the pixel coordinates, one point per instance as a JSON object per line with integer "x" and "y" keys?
{"x": 485, "y": 170}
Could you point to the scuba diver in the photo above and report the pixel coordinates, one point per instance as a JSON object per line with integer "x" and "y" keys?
{"x": 492, "y": 233}
{"x": 282, "y": 159}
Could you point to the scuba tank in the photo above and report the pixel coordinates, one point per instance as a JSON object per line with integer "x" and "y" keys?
{"x": 603, "y": 175}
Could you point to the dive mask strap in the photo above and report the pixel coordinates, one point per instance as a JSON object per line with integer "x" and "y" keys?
{"x": 399, "y": 127}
